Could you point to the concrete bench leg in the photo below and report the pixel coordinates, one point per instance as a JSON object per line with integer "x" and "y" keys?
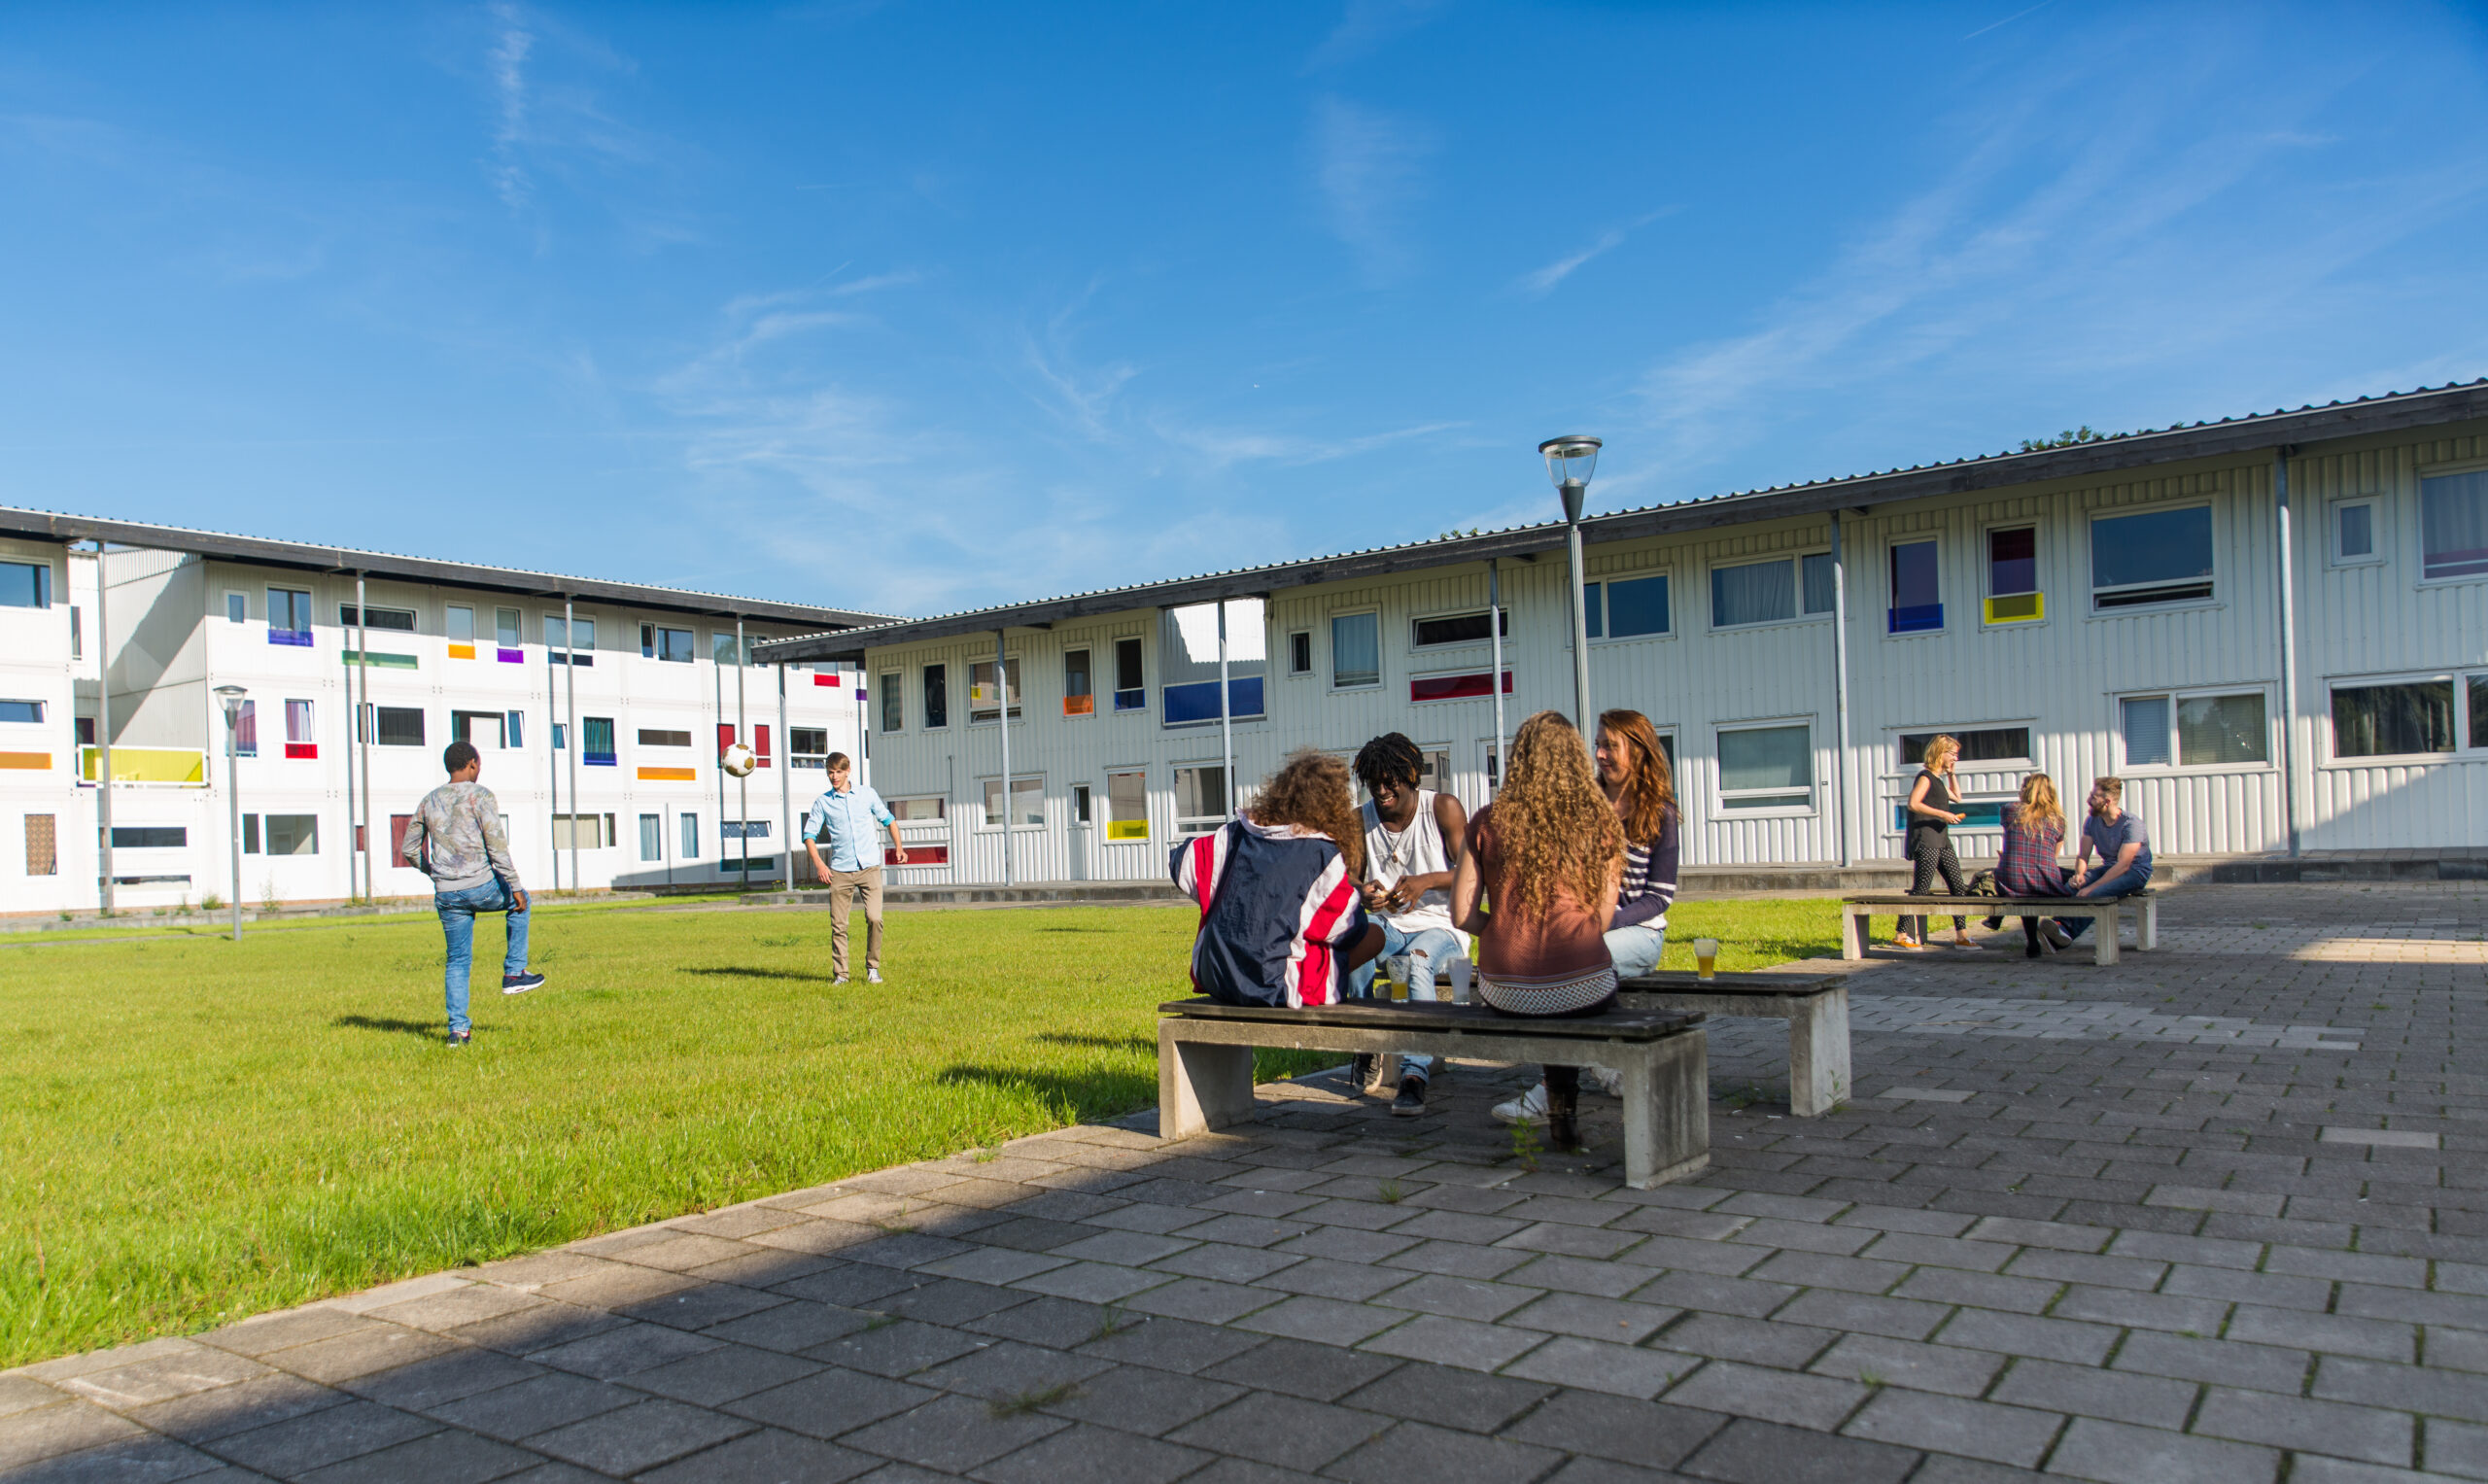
{"x": 1853, "y": 933}
{"x": 1818, "y": 1056}
{"x": 1201, "y": 1085}
{"x": 2146, "y": 935}
{"x": 2106, "y": 930}
{"x": 1667, "y": 1110}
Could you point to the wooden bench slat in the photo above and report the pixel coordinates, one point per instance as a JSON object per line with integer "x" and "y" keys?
{"x": 1754, "y": 985}
{"x": 2072, "y": 905}
{"x": 1424, "y": 1017}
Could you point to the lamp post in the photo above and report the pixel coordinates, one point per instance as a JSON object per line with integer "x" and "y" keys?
{"x": 230, "y": 697}
{"x": 1570, "y": 462}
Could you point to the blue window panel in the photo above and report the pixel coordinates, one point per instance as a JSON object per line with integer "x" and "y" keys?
{"x": 1244, "y": 696}
{"x": 1918, "y": 619}
{"x": 1637, "y": 607}
{"x": 1197, "y": 702}
{"x": 26, "y": 584}
{"x": 1594, "y": 609}
{"x": 1974, "y": 817}
{"x": 1135, "y": 699}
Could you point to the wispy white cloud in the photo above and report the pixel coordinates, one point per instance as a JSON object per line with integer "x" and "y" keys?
{"x": 1367, "y": 25}
{"x": 1080, "y": 396}
{"x": 506, "y": 62}
{"x": 1222, "y": 448}
{"x": 1539, "y": 282}
{"x": 1368, "y": 165}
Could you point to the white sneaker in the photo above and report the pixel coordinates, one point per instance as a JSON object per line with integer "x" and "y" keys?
{"x": 840, "y": 980}
{"x": 872, "y": 975}
{"x": 1610, "y": 1080}
{"x": 1528, "y": 1108}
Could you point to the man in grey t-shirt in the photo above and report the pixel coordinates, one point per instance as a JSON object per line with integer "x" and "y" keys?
{"x": 456, "y": 837}
{"x": 2125, "y": 851}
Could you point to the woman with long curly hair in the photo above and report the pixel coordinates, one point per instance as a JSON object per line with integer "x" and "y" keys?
{"x": 2027, "y": 867}
{"x": 1538, "y": 886}
{"x": 1282, "y": 920}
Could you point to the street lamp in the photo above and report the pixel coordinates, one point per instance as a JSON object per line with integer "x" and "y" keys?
{"x": 1570, "y": 461}
{"x": 230, "y": 697}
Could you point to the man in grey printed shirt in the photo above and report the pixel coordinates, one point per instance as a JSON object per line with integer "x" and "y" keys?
{"x": 456, "y": 839}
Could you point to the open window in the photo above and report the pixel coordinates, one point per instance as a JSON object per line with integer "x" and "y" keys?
{"x": 2150, "y": 556}
{"x": 1131, "y": 681}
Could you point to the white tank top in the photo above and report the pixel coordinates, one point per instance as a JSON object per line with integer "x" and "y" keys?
{"x": 1417, "y": 851}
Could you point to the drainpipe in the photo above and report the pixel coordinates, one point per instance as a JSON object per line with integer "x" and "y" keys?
{"x": 1225, "y": 722}
{"x": 371, "y": 720}
{"x": 743, "y": 785}
{"x": 570, "y": 686}
{"x": 2289, "y": 648}
{"x": 786, "y": 779}
{"x": 103, "y": 716}
{"x": 1840, "y": 687}
{"x": 1002, "y": 714}
{"x": 1494, "y": 684}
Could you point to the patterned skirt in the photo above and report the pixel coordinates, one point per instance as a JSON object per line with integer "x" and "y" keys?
{"x": 1563, "y": 994}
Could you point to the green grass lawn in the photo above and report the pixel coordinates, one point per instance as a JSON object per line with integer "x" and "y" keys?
{"x": 195, "y": 1129}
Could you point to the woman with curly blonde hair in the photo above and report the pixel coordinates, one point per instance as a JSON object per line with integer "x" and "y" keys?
{"x": 1538, "y": 885}
{"x": 1282, "y": 920}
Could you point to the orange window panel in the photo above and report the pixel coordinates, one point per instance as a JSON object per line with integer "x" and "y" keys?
{"x": 669, "y": 775}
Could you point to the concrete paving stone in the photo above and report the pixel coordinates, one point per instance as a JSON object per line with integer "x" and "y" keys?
{"x": 906, "y": 1250}
{"x": 1286, "y": 1431}
{"x": 2456, "y": 1448}
{"x": 697, "y": 1308}
{"x": 1572, "y": 1240}
{"x": 2056, "y": 1235}
{"x": 1328, "y": 1320}
{"x": 2373, "y": 1339}
{"x": 1138, "y": 1399}
{"x": 2141, "y": 1311}
{"x": 1225, "y": 1262}
{"x": 32, "y": 1436}
{"x": 1094, "y": 1453}
{"x": 1569, "y": 1209}
{"x": 271, "y": 1333}
{"x": 1449, "y": 1396}
{"x": 1937, "y": 1250}
{"x": 2462, "y": 1310}
{"x": 2371, "y": 1433}
{"x": 1590, "y": 1317}
{"x": 1474, "y": 1199}
{"x": 899, "y": 1349}
{"x": 1416, "y": 1449}
{"x": 2458, "y": 1350}
{"x": 437, "y": 1458}
{"x": 1356, "y": 1215}
{"x": 615, "y": 1285}
{"x": 1299, "y": 1369}
{"x": 300, "y": 1444}
{"x": 1332, "y": 1278}
{"x": 24, "y": 1393}
{"x": 1057, "y": 1323}
{"x": 1172, "y": 1345}
{"x": 1863, "y": 1313}
{"x": 1458, "y": 1227}
{"x": 1818, "y": 1402}
{"x": 1726, "y": 1259}
{"x": 1791, "y": 1208}
{"x": 1202, "y": 1300}
{"x": 2023, "y": 1334}
{"x": 2056, "y": 1266}
{"x": 1814, "y": 1269}
{"x": 1347, "y": 1245}
{"x": 1461, "y": 1298}
{"x": 812, "y": 1237}
{"x": 2115, "y": 1453}
{"x": 736, "y": 1220}
{"x": 2348, "y": 1266}
{"x": 831, "y": 1402}
{"x": 449, "y": 1309}
{"x": 1676, "y": 1222}
{"x": 237, "y": 1408}
{"x": 1137, "y": 1216}
{"x": 442, "y": 1378}
{"x": 2222, "y": 1362}
{"x": 140, "y": 1460}
{"x": 619, "y": 1352}
{"x": 767, "y": 1456}
{"x": 1952, "y": 1424}
{"x": 1621, "y": 1371}
{"x": 638, "y": 1437}
{"x": 2307, "y": 1294}
{"x": 722, "y": 1375}
{"x": 1009, "y": 1369}
{"x": 1584, "y": 1470}
{"x": 1032, "y": 1234}
{"x": 949, "y": 1301}
{"x": 527, "y": 1407}
{"x": 2116, "y": 1395}
{"x": 791, "y": 1327}
{"x": 1747, "y": 1451}
{"x": 1462, "y": 1342}
{"x": 1730, "y": 1337}
{"x": 1803, "y": 1236}
{"x": 1905, "y": 1218}
{"x": 550, "y": 1472}
{"x": 851, "y": 1285}
{"x": 1094, "y": 1282}
{"x": 162, "y": 1378}
{"x": 1128, "y": 1249}
{"x": 1242, "y": 1231}
{"x": 2409, "y": 1388}
{"x": 1577, "y": 1275}
{"x": 2309, "y": 1468}
{"x": 1650, "y": 1434}
{"x": 537, "y": 1329}
{"x": 1877, "y": 1361}
{"x": 993, "y": 1265}
{"x": 1715, "y": 1294}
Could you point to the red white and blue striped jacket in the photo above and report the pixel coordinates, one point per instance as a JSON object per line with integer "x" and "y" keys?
{"x": 1276, "y": 906}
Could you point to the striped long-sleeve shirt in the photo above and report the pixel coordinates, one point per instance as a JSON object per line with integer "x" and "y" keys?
{"x": 1276, "y": 908}
{"x": 1649, "y": 878}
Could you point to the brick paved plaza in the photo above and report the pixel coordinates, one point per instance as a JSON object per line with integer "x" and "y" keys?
{"x": 2218, "y": 1213}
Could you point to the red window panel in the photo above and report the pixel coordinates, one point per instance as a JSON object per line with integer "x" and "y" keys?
{"x": 301, "y": 749}
{"x": 725, "y": 740}
{"x": 398, "y": 837}
{"x": 760, "y": 731}
{"x": 1456, "y": 688}
{"x": 824, "y": 677}
{"x": 928, "y": 855}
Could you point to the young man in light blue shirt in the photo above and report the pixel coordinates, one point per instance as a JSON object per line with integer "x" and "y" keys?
{"x": 852, "y": 817}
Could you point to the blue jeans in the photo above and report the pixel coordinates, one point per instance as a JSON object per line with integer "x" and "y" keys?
{"x": 458, "y": 910}
{"x": 1437, "y": 945}
{"x": 2127, "y": 885}
{"x": 1635, "y": 949}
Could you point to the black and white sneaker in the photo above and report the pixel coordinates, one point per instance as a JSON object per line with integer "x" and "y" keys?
{"x": 1360, "y": 1073}
{"x": 1411, "y": 1100}
{"x": 459, "y": 1038}
{"x": 520, "y": 984}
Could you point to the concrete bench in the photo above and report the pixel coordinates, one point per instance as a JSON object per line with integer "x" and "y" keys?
{"x": 1205, "y": 1062}
{"x": 2143, "y": 907}
{"x": 1816, "y": 1009}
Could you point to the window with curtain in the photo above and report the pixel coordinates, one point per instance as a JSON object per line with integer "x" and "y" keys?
{"x": 1753, "y": 593}
{"x": 595, "y": 741}
{"x": 289, "y": 616}
{"x": 1767, "y": 767}
{"x": 1356, "y": 650}
{"x": 2453, "y": 525}
{"x": 652, "y": 837}
{"x": 1131, "y": 685}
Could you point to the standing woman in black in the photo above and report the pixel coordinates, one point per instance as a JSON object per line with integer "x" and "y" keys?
{"x": 1933, "y": 810}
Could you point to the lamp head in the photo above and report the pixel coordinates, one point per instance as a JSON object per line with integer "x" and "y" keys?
{"x": 1570, "y": 462}
{"x": 231, "y": 697}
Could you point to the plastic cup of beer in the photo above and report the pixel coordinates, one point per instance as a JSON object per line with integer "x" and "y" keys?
{"x": 1459, "y": 969}
{"x": 1398, "y": 981}
{"x": 1706, "y": 956}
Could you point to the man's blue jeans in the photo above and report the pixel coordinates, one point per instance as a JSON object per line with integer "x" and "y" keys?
{"x": 458, "y": 910}
{"x": 2127, "y": 885}
{"x": 1437, "y": 944}
{"x": 1635, "y": 949}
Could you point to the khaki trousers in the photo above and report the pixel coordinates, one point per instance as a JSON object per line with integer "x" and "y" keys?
{"x": 842, "y": 887}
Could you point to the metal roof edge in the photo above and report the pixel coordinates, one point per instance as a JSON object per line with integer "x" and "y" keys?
{"x": 49, "y": 524}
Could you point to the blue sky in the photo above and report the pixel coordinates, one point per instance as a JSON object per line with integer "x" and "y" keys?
{"x": 913, "y": 308}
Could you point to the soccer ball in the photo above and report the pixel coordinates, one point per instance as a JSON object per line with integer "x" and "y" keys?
{"x": 739, "y": 760}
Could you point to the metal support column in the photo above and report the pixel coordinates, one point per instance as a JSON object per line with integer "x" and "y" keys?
{"x": 371, "y": 720}
{"x": 1002, "y": 701}
{"x": 2289, "y": 648}
{"x": 1225, "y": 718}
{"x": 570, "y": 686}
{"x": 743, "y": 733}
{"x": 1839, "y": 688}
{"x": 786, "y": 777}
{"x": 104, "y": 719}
{"x": 1495, "y": 635}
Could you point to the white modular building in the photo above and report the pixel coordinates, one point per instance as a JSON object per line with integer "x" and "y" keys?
{"x": 2273, "y": 628}
{"x": 600, "y": 709}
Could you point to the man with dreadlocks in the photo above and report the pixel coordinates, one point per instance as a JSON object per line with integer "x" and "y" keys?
{"x": 1413, "y": 838}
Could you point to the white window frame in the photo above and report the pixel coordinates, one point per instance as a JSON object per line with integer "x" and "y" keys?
{"x": 1905, "y": 773}
{"x": 953, "y": 696}
{"x": 1606, "y": 582}
{"x": 1796, "y": 559}
{"x": 1134, "y": 770}
{"x": 890, "y": 682}
{"x": 2419, "y": 523}
{"x": 941, "y": 805}
{"x": 1192, "y": 826}
{"x": 1306, "y": 634}
{"x": 1813, "y": 767}
{"x": 2176, "y": 696}
{"x": 2458, "y": 678}
{"x": 466, "y": 609}
{"x": 1014, "y": 698}
{"x": 1329, "y": 652}
{"x": 1019, "y": 784}
{"x": 230, "y": 594}
{"x": 2376, "y": 553}
{"x": 1891, "y": 547}
{"x": 1987, "y": 592}
{"x": 1466, "y": 611}
{"x": 2090, "y": 547}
